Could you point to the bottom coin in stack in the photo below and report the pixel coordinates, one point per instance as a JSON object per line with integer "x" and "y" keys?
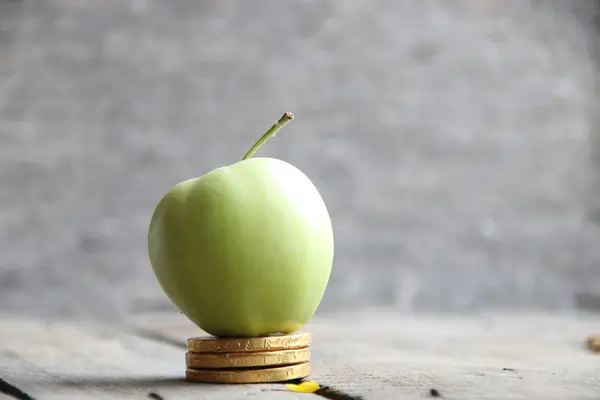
{"x": 251, "y": 375}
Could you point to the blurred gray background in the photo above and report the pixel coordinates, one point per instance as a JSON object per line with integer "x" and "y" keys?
{"x": 454, "y": 142}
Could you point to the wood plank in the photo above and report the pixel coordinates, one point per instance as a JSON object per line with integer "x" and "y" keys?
{"x": 62, "y": 360}
{"x": 376, "y": 354}
{"x": 381, "y": 355}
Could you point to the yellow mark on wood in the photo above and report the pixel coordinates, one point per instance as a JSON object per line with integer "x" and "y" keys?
{"x": 304, "y": 387}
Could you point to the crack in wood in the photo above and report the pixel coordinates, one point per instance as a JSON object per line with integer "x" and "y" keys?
{"x": 330, "y": 393}
{"x": 158, "y": 337}
{"x": 13, "y": 391}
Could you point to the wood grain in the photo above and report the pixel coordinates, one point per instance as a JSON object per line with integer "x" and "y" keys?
{"x": 377, "y": 355}
{"x": 62, "y": 360}
{"x": 383, "y": 355}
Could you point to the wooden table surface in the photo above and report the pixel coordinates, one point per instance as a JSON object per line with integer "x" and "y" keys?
{"x": 366, "y": 354}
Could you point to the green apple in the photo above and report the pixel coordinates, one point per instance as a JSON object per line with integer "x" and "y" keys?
{"x": 245, "y": 250}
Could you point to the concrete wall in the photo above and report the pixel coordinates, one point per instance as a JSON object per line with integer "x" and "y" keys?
{"x": 453, "y": 141}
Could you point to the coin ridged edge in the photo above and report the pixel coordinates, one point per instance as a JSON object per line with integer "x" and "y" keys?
{"x": 211, "y": 344}
{"x": 263, "y": 375}
{"x": 243, "y": 360}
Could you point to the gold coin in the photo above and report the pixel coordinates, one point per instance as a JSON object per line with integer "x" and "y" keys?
{"x": 241, "y": 360}
{"x": 211, "y": 344}
{"x": 594, "y": 343}
{"x": 260, "y": 375}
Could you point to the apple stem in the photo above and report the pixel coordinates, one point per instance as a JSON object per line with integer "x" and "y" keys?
{"x": 285, "y": 118}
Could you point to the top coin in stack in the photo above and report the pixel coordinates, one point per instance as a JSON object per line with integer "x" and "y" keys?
{"x": 211, "y": 344}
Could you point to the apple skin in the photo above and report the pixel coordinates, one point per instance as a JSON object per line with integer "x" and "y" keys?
{"x": 245, "y": 250}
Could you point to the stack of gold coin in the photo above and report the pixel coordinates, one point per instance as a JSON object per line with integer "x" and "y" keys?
{"x": 275, "y": 358}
